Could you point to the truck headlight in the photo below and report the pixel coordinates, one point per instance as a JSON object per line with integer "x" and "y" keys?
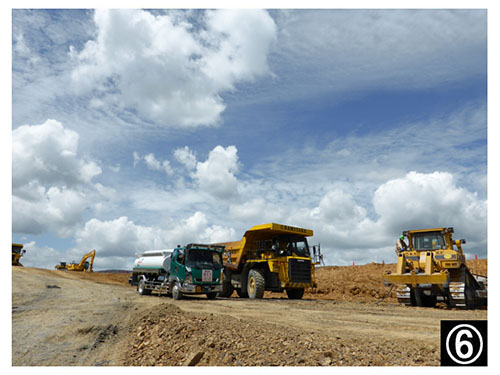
{"x": 189, "y": 279}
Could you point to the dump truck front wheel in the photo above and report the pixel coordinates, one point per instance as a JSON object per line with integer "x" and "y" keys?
{"x": 256, "y": 284}
{"x": 295, "y": 293}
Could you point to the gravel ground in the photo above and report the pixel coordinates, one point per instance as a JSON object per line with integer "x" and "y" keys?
{"x": 68, "y": 318}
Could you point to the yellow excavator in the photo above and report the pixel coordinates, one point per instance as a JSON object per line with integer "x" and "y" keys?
{"x": 83, "y": 266}
{"x": 17, "y": 253}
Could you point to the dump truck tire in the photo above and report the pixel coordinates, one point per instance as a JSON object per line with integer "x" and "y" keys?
{"x": 176, "y": 291}
{"x": 141, "y": 288}
{"x": 242, "y": 293}
{"x": 227, "y": 290}
{"x": 295, "y": 293}
{"x": 256, "y": 284}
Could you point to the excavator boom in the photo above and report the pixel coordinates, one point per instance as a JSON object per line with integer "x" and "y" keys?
{"x": 83, "y": 266}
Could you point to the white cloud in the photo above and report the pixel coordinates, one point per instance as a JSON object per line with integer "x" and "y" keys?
{"x": 170, "y": 70}
{"x": 359, "y": 49}
{"x": 42, "y": 256}
{"x": 257, "y": 210}
{"x": 415, "y": 201}
{"x": 186, "y": 157}
{"x": 431, "y": 200}
{"x": 153, "y": 163}
{"x": 216, "y": 175}
{"x": 117, "y": 241}
{"x": 47, "y": 153}
{"x": 51, "y": 184}
{"x": 56, "y": 209}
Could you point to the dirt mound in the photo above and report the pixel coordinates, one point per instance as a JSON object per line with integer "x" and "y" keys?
{"x": 173, "y": 337}
{"x": 364, "y": 282}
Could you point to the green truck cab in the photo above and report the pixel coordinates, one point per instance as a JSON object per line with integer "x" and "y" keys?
{"x": 190, "y": 269}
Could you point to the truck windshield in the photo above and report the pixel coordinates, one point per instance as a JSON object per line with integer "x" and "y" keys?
{"x": 197, "y": 258}
{"x": 299, "y": 247}
{"x": 428, "y": 241}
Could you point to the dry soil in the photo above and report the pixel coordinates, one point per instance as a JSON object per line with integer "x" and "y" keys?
{"x": 62, "y": 318}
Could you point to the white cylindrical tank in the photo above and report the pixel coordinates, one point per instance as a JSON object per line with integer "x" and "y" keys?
{"x": 154, "y": 259}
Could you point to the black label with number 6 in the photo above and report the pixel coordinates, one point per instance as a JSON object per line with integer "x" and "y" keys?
{"x": 464, "y": 342}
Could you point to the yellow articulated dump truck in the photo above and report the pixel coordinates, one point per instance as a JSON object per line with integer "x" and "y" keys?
{"x": 271, "y": 257}
{"x": 432, "y": 268}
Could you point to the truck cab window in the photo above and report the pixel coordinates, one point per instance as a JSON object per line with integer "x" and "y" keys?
{"x": 429, "y": 241}
{"x": 180, "y": 257}
{"x": 204, "y": 259}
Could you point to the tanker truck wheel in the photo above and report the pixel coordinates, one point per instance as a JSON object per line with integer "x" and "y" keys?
{"x": 256, "y": 284}
{"x": 176, "y": 291}
{"x": 294, "y": 293}
{"x": 141, "y": 288}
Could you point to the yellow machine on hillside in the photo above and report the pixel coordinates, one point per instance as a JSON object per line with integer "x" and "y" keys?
{"x": 17, "y": 253}
{"x": 433, "y": 269}
{"x": 271, "y": 257}
{"x": 83, "y": 266}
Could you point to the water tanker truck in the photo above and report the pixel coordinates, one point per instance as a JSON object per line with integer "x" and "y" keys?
{"x": 272, "y": 257}
{"x": 190, "y": 269}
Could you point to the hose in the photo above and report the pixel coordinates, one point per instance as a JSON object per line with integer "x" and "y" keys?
{"x": 387, "y": 295}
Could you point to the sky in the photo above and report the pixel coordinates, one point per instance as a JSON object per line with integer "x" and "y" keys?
{"x": 135, "y": 130}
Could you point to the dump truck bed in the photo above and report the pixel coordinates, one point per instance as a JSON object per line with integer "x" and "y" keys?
{"x": 240, "y": 249}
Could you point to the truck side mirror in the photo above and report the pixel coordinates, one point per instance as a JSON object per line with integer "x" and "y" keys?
{"x": 462, "y": 241}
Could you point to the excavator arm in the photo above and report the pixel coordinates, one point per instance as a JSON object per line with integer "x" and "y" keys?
{"x": 84, "y": 259}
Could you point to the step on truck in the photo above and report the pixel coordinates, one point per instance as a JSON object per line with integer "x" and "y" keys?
{"x": 433, "y": 269}
{"x": 272, "y": 257}
{"x": 185, "y": 270}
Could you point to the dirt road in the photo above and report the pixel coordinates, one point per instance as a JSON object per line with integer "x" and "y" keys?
{"x": 59, "y": 318}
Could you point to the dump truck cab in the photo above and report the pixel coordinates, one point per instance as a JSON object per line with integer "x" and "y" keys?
{"x": 433, "y": 268}
{"x": 272, "y": 257}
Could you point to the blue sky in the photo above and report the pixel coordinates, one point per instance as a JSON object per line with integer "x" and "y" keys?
{"x": 135, "y": 130}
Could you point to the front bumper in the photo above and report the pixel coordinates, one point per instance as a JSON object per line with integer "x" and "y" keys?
{"x": 200, "y": 289}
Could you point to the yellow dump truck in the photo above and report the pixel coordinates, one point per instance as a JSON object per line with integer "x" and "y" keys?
{"x": 17, "y": 253}
{"x": 271, "y": 257}
{"x": 433, "y": 269}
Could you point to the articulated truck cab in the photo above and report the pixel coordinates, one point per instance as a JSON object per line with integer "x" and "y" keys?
{"x": 272, "y": 257}
{"x": 190, "y": 269}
